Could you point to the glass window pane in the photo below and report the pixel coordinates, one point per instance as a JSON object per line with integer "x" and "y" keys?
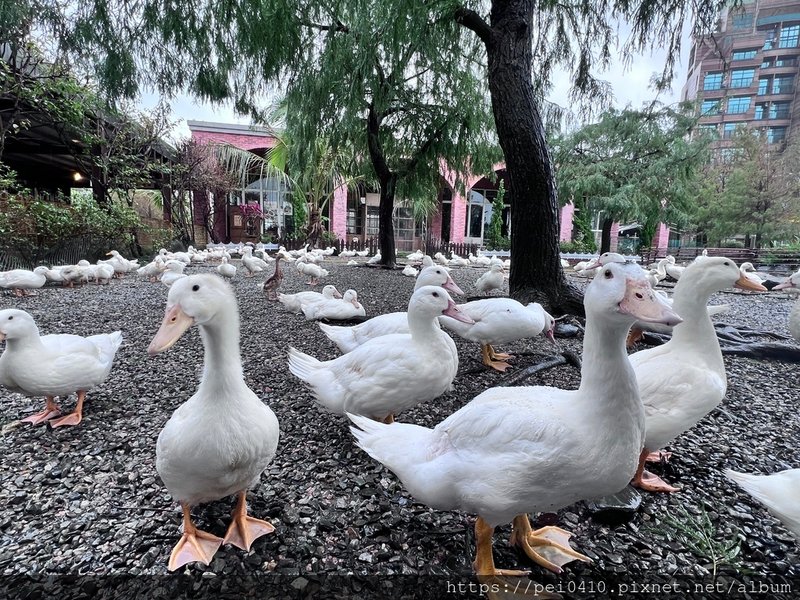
{"x": 763, "y": 86}
{"x": 744, "y": 54}
{"x": 712, "y": 81}
{"x": 789, "y": 37}
{"x": 710, "y": 107}
{"x": 738, "y": 105}
{"x": 742, "y": 77}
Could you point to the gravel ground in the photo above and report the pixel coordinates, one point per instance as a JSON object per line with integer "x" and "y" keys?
{"x": 86, "y": 514}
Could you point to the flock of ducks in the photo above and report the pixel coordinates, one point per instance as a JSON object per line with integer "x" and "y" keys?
{"x": 509, "y": 452}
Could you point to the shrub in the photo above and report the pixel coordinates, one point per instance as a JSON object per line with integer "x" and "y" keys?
{"x": 731, "y": 244}
{"x": 329, "y": 238}
{"x": 578, "y": 247}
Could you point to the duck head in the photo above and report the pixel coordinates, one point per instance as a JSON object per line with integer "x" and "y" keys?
{"x": 330, "y": 291}
{"x": 16, "y": 324}
{"x": 193, "y": 300}
{"x": 791, "y": 282}
{"x": 435, "y": 301}
{"x": 718, "y": 273}
{"x": 437, "y": 276}
{"x": 352, "y": 297}
{"x": 604, "y": 259}
{"x": 623, "y": 292}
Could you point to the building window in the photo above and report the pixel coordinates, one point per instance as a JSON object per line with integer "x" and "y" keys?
{"x": 710, "y": 130}
{"x": 789, "y": 37}
{"x": 742, "y": 21}
{"x": 373, "y": 220}
{"x": 767, "y": 63}
{"x": 712, "y": 81}
{"x": 779, "y": 110}
{"x": 729, "y": 130}
{"x": 743, "y": 54}
{"x": 783, "y": 84}
{"x": 710, "y": 107}
{"x": 742, "y": 78}
{"x": 737, "y": 106}
{"x": 763, "y": 85}
{"x": 479, "y": 212}
{"x": 355, "y": 224}
{"x": 786, "y": 61}
{"x": 273, "y": 196}
{"x": 404, "y": 227}
{"x": 776, "y": 134}
{"x": 761, "y": 110}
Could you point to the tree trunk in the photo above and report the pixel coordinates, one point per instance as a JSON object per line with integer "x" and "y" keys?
{"x": 385, "y": 222}
{"x": 166, "y": 204}
{"x": 219, "y": 231}
{"x": 605, "y": 239}
{"x": 536, "y": 273}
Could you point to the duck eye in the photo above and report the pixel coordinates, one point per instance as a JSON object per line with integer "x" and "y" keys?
{"x": 9, "y": 318}
{"x": 435, "y": 294}
{"x": 726, "y": 263}
{"x": 608, "y": 275}
{"x": 195, "y": 288}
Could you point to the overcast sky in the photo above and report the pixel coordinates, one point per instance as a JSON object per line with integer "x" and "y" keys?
{"x": 629, "y": 85}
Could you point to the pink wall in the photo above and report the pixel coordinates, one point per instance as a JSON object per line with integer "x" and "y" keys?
{"x": 565, "y": 216}
{"x": 614, "y": 237}
{"x": 435, "y": 228}
{"x": 339, "y": 212}
{"x": 661, "y": 239}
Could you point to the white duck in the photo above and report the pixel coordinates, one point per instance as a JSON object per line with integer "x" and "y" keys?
{"x": 491, "y": 280}
{"x": 499, "y": 321}
{"x": 792, "y": 282}
{"x": 53, "y": 365}
{"x": 659, "y": 273}
{"x": 173, "y": 271}
{"x": 220, "y": 440}
{"x": 22, "y": 280}
{"x": 458, "y": 261}
{"x": 375, "y": 259}
{"x": 673, "y": 270}
{"x": 121, "y": 264}
{"x": 295, "y": 302}
{"x": 779, "y": 492}
{"x": 335, "y": 309}
{"x": 512, "y": 451}
{"x": 226, "y": 269}
{"x": 252, "y": 263}
{"x": 410, "y": 271}
{"x": 101, "y": 272}
{"x": 391, "y": 373}
{"x": 152, "y": 269}
{"x": 314, "y": 271}
{"x": 349, "y": 338}
{"x": 441, "y": 259}
{"x": 427, "y": 261}
{"x": 683, "y": 380}
{"x": 750, "y": 272}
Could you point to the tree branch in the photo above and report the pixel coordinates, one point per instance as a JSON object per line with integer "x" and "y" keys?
{"x": 473, "y": 21}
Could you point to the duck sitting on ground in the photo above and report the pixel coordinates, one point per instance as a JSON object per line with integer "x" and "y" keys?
{"x": 491, "y": 280}
{"x": 517, "y": 450}
{"x": 226, "y": 269}
{"x": 334, "y": 309}
{"x": 220, "y": 440}
{"x": 295, "y": 302}
{"x": 349, "y": 338}
{"x": 683, "y": 380}
{"x": 53, "y": 365}
{"x": 391, "y": 373}
{"x": 779, "y": 492}
{"x": 22, "y": 280}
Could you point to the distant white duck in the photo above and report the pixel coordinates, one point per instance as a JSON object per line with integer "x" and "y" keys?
{"x": 22, "y": 280}
{"x": 683, "y": 380}
{"x": 54, "y": 275}
{"x": 409, "y": 271}
{"x": 750, "y": 272}
{"x": 673, "y": 270}
{"x": 252, "y": 263}
{"x": 173, "y": 271}
{"x": 415, "y": 256}
{"x": 392, "y": 373}
{"x": 792, "y": 283}
{"x": 491, "y": 280}
{"x": 363, "y": 253}
{"x": 516, "y": 450}
{"x": 152, "y": 269}
{"x": 375, "y": 259}
{"x": 441, "y": 259}
{"x": 335, "y": 309}
{"x": 427, "y": 261}
{"x": 499, "y": 321}
{"x": 311, "y": 270}
{"x": 226, "y": 269}
{"x": 220, "y": 440}
{"x": 347, "y": 253}
{"x": 352, "y": 263}
{"x": 779, "y": 492}
{"x": 101, "y": 273}
{"x": 349, "y": 338}
{"x": 458, "y": 261}
{"x": 53, "y": 365}
{"x": 704, "y": 255}
{"x": 121, "y": 264}
{"x": 295, "y": 302}
{"x": 659, "y": 274}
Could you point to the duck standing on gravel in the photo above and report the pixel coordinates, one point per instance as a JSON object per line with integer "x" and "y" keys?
{"x": 220, "y": 440}
{"x": 792, "y": 283}
{"x": 516, "y": 450}
{"x": 273, "y": 282}
{"x": 491, "y": 280}
{"x": 53, "y": 365}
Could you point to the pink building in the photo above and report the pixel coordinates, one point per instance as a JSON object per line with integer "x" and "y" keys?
{"x": 353, "y": 214}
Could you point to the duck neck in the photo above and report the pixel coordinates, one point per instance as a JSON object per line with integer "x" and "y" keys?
{"x": 690, "y": 301}
{"x": 606, "y": 373}
{"x": 423, "y": 328}
{"x": 29, "y": 341}
{"x": 222, "y": 363}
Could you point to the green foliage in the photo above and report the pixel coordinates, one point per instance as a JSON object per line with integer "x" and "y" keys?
{"x": 699, "y": 535}
{"x": 634, "y": 166}
{"x": 582, "y": 233}
{"x": 579, "y": 246}
{"x": 752, "y": 189}
{"x": 329, "y": 238}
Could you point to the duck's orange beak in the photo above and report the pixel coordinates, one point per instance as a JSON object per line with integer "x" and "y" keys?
{"x": 744, "y": 283}
{"x": 174, "y": 325}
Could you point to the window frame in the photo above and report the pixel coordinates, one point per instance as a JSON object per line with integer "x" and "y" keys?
{"x": 789, "y": 36}
{"x": 718, "y": 77}
{"x": 739, "y": 102}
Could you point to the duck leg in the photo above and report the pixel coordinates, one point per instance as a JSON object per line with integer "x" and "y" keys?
{"x": 389, "y": 419}
{"x": 548, "y": 546}
{"x": 194, "y": 545}
{"x": 244, "y": 530}
{"x": 498, "y": 355}
{"x": 72, "y": 418}
{"x": 50, "y": 410}
{"x": 647, "y": 481}
{"x": 497, "y": 365}
{"x": 658, "y": 456}
{"x": 484, "y": 561}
